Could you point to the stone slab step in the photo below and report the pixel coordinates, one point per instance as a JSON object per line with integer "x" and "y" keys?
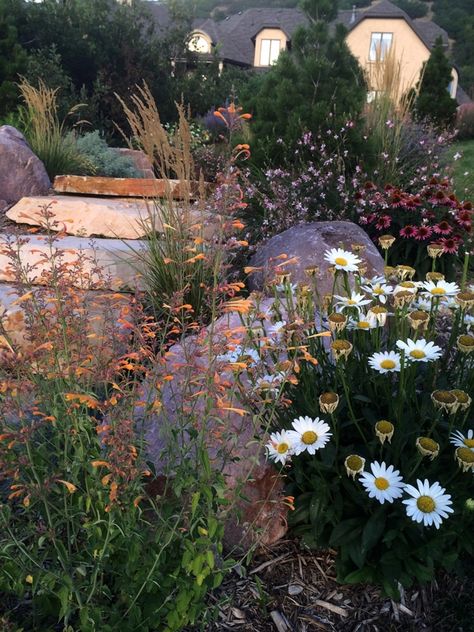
{"x": 124, "y": 187}
{"x": 84, "y": 216}
{"x": 100, "y": 307}
{"x": 111, "y": 264}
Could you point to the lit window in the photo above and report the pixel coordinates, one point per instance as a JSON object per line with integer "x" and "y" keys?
{"x": 379, "y": 45}
{"x": 199, "y": 44}
{"x": 269, "y": 51}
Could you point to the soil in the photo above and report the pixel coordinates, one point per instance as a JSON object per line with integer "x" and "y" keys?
{"x": 293, "y": 589}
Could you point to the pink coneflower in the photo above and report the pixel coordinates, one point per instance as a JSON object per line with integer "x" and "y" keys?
{"x": 464, "y": 219}
{"x": 409, "y": 203}
{"x": 388, "y": 188}
{"x": 383, "y": 222}
{"x": 408, "y": 231}
{"x": 467, "y": 206}
{"x": 450, "y": 245}
{"x": 439, "y": 198}
{"x": 443, "y": 228}
{"x": 423, "y": 232}
{"x": 397, "y": 199}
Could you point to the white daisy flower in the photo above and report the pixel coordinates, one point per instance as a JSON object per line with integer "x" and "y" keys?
{"x": 309, "y": 434}
{"x": 373, "y": 281}
{"x": 422, "y": 303}
{"x": 379, "y": 291}
{"x": 270, "y": 383}
{"x": 342, "y": 259}
{"x": 282, "y": 288}
{"x": 440, "y": 288}
{"x": 461, "y": 441}
{"x": 429, "y": 503}
{"x": 469, "y": 321}
{"x": 240, "y": 354}
{"x": 275, "y": 330}
{"x": 384, "y": 484}
{"x": 280, "y": 447}
{"x": 385, "y": 362}
{"x": 365, "y": 322}
{"x": 419, "y": 350}
{"x": 353, "y": 300}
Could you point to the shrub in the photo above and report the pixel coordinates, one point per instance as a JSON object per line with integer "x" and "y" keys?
{"x": 105, "y": 160}
{"x": 465, "y": 122}
{"x": 373, "y": 390}
{"x": 431, "y": 216}
{"x": 46, "y": 135}
{"x": 414, "y": 8}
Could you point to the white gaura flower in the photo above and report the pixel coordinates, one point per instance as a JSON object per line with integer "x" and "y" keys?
{"x": 419, "y": 350}
{"x": 270, "y": 383}
{"x": 384, "y": 484}
{"x": 280, "y": 447}
{"x": 309, "y": 434}
{"x": 429, "y": 503}
{"x": 461, "y": 441}
{"x": 378, "y": 291}
{"x": 385, "y": 362}
{"x": 440, "y": 288}
{"x": 422, "y": 303}
{"x": 282, "y": 288}
{"x": 240, "y": 354}
{"x": 342, "y": 259}
{"x": 469, "y": 321}
{"x": 353, "y": 300}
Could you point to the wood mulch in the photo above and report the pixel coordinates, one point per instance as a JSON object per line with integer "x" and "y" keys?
{"x": 293, "y": 589}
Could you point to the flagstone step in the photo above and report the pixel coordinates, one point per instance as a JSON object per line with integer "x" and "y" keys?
{"x": 84, "y": 216}
{"x": 111, "y": 264}
{"x": 100, "y": 307}
{"x": 126, "y": 187}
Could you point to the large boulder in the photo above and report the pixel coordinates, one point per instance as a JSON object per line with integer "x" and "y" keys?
{"x": 21, "y": 172}
{"x": 230, "y": 437}
{"x": 306, "y": 244}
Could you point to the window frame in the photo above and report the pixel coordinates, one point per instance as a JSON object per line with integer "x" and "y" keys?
{"x": 270, "y": 57}
{"x": 373, "y": 57}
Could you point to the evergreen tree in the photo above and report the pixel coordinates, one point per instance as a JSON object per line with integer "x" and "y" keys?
{"x": 433, "y": 101}
{"x": 317, "y": 83}
{"x": 12, "y": 58}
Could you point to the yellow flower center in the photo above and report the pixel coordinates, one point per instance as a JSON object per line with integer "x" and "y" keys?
{"x": 465, "y": 455}
{"x": 438, "y": 291}
{"x": 407, "y": 284}
{"x": 378, "y": 290}
{"x": 445, "y": 397}
{"x": 384, "y": 427}
{"x": 378, "y": 309}
{"x": 309, "y": 437}
{"x": 461, "y": 396}
{"x": 426, "y": 504}
{"x": 467, "y": 341}
{"x": 340, "y": 261}
{"x": 417, "y": 354}
{"x": 469, "y": 443}
{"x": 351, "y": 301}
{"x": 381, "y": 483}
{"x": 337, "y": 318}
{"x": 329, "y": 398}
{"x": 363, "y": 324}
{"x": 282, "y": 448}
{"x": 428, "y": 444}
{"x": 419, "y": 315}
{"x": 341, "y": 345}
{"x": 354, "y": 463}
{"x": 388, "y": 364}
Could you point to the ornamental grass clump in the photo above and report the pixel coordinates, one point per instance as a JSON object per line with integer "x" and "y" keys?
{"x": 375, "y": 430}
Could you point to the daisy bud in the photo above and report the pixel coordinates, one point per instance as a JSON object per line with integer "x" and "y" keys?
{"x": 466, "y": 343}
{"x": 406, "y": 285}
{"x": 362, "y": 269}
{"x": 358, "y": 248}
{"x": 435, "y": 250}
{"x": 419, "y": 320}
{"x": 341, "y": 348}
{"x": 465, "y": 299}
{"x": 282, "y": 277}
{"x": 337, "y": 322}
{"x": 354, "y": 465}
{"x": 328, "y": 402}
{"x": 465, "y": 458}
{"x": 463, "y": 399}
{"x": 312, "y": 271}
{"x": 390, "y": 273}
{"x": 402, "y": 298}
{"x": 384, "y": 431}
{"x": 444, "y": 400}
{"x": 434, "y": 276}
{"x": 427, "y": 447}
{"x": 386, "y": 241}
{"x": 379, "y": 313}
{"x": 327, "y": 298}
{"x": 405, "y": 272}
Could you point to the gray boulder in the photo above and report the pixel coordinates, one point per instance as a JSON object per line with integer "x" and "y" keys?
{"x": 21, "y": 172}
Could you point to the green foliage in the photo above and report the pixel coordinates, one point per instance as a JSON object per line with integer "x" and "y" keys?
{"x": 12, "y": 58}
{"x": 317, "y": 79}
{"x": 463, "y": 168}
{"x": 320, "y": 10}
{"x": 414, "y": 8}
{"x": 433, "y": 101}
{"x": 105, "y": 160}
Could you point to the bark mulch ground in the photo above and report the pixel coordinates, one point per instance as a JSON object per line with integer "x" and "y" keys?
{"x": 292, "y": 589}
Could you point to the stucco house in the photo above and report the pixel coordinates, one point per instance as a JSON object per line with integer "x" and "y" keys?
{"x": 255, "y": 38}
